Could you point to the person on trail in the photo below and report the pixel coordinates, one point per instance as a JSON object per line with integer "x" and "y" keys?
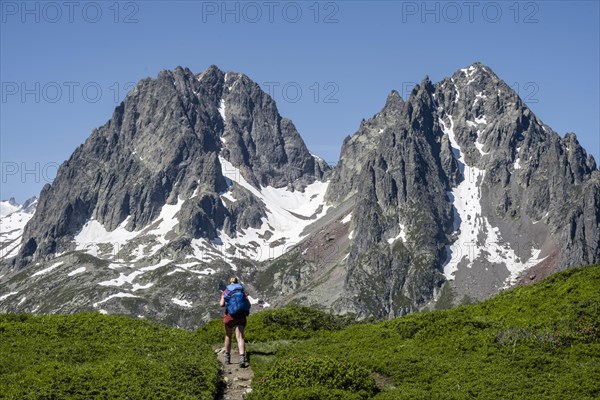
{"x": 237, "y": 307}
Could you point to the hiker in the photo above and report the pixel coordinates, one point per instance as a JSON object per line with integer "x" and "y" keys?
{"x": 237, "y": 307}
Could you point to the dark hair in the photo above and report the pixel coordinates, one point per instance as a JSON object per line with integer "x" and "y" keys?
{"x": 233, "y": 279}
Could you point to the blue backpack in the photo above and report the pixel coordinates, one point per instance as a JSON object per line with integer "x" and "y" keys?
{"x": 237, "y": 304}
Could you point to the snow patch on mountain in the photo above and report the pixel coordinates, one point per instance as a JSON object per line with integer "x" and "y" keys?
{"x": 467, "y": 208}
{"x": 481, "y": 120}
{"x": 122, "y": 279}
{"x": 457, "y": 91}
{"x": 477, "y": 238}
{"x": 400, "y": 235}
{"x": 517, "y": 164}
{"x": 222, "y": 109}
{"x": 112, "y": 296}
{"x": 288, "y": 213}
{"x": 136, "y": 286}
{"x": 347, "y": 218}
{"x": 479, "y": 96}
{"x": 94, "y": 233}
{"x": 50, "y": 268}
{"x": 475, "y": 124}
{"x": 469, "y": 72}
{"x": 182, "y": 303}
{"x": 13, "y": 218}
{"x": 6, "y": 296}
{"x": 479, "y": 146}
{"x": 77, "y": 271}
{"x": 8, "y": 207}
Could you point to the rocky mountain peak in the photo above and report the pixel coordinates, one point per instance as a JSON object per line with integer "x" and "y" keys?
{"x": 452, "y": 194}
{"x": 475, "y": 73}
{"x": 166, "y": 144}
{"x": 467, "y": 162}
{"x": 12, "y": 202}
{"x": 30, "y": 204}
{"x": 394, "y": 101}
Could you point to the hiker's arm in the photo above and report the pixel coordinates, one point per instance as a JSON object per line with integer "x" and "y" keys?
{"x": 222, "y": 302}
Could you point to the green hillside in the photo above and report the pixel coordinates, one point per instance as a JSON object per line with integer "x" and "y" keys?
{"x": 95, "y": 356}
{"x": 535, "y": 342}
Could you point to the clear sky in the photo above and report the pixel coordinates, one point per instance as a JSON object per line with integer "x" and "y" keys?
{"x": 65, "y": 65}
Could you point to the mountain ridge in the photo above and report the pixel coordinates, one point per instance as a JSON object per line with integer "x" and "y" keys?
{"x": 455, "y": 192}
{"x": 501, "y": 232}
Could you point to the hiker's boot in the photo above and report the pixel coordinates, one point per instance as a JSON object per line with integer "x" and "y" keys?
{"x": 243, "y": 362}
{"x": 227, "y": 358}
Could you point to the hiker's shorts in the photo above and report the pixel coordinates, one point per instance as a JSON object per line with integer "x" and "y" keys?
{"x": 231, "y": 322}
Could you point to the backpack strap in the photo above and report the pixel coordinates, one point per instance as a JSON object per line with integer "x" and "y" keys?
{"x": 228, "y": 293}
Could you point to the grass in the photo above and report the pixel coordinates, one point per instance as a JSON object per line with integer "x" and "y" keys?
{"x": 314, "y": 377}
{"x": 271, "y": 331}
{"x": 534, "y": 342}
{"x": 537, "y": 342}
{"x": 94, "y": 356}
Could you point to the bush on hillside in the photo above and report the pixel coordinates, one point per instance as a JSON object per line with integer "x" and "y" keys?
{"x": 88, "y": 356}
{"x": 314, "y": 378}
{"x": 289, "y": 323}
{"x": 535, "y": 342}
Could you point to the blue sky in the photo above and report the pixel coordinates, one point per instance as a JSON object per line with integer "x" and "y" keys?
{"x": 64, "y": 68}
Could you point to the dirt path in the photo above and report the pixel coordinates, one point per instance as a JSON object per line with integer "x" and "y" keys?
{"x": 237, "y": 380}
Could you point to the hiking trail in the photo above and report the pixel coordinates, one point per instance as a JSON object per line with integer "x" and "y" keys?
{"x": 236, "y": 380}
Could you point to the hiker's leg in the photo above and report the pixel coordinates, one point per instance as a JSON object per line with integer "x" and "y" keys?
{"x": 239, "y": 333}
{"x": 228, "y": 333}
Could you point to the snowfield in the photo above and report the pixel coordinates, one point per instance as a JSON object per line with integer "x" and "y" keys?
{"x": 471, "y": 226}
{"x": 12, "y": 222}
{"x": 288, "y": 214}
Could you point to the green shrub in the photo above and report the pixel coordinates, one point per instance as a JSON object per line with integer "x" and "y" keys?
{"x": 534, "y": 342}
{"x": 314, "y": 377}
{"x": 289, "y": 323}
{"x": 211, "y": 333}
{"x": 87, "y": 356}
{"x": 293, "y": 322}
